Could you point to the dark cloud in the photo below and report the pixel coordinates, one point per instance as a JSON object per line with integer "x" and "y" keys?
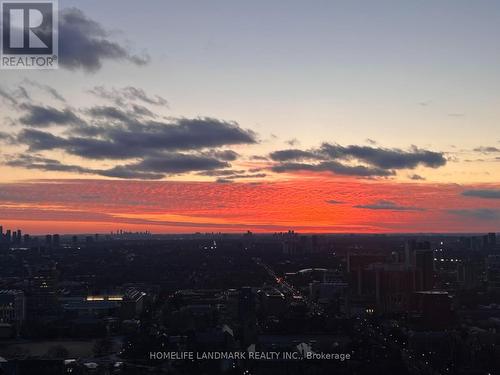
{"x": 38, "y": 140}
{"x": 221, "y": 173}
{"x": 334, "y": 167}
{"x": 134, "y": 93}
{"x": 177, "y": 163}
{"x": 8, "y": 97}
{"x": 416, "y": 177}
{"x": 224, "y": 181}
{"x": 487, "y": 149}
{"x": 371, "y": 161}
{"x": 231, "y": 174}
{"x": 125, "y": 172}
{"x": 148, "y": 149}
{"x": 477, "y": 213}
{"x": 180, "y": 134}
{"x": 7, "y": 138}
{"x": 140, "y": 110}
{"x": 111, "y": 113}
{"x": 120, "y": 96}
{"x": 148, "y": 169}
{"x": 132, "y": 116}
{"x": 41, "y": 117}
{"x": 333, "y": 201}
{"x": 244, "y": 176}
{"x": 85, "y": 44}
{"x": 482, "y": 193}
{"x": 23, "y": 93}
{"x": 254, "y": 170}
{"x": 388, "y": 205}
{"x": 386, "y": 158}
{"x": 293, "y": 154}
{"x": 259, "y": 158}
{"x": 142, "y": 139}
{"x": 44, "y": 164}
{"x": 228, "y": 155}
{"x": 293, "y": 142}
{"x": 48, "y": 89}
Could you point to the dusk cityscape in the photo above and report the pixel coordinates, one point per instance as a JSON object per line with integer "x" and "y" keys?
{"x": 280, "y": 303}
{"x": 267, "y": 187}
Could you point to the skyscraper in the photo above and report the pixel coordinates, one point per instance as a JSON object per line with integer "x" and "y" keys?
{"x": 420, "y": 255}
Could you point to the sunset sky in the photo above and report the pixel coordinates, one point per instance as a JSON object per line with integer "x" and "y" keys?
{"x": 318, "y": 116}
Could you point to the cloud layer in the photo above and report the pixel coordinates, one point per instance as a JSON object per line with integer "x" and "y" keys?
{"x": 483, "y": 193}
{"x": 355, "y": 160}
{"x": 129, "y": 135}
{"x": 388, "y": 205}
{"x": 85, "y": 44}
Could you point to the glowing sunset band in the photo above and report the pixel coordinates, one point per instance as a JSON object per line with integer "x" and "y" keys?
{"x": 308, "y": 205}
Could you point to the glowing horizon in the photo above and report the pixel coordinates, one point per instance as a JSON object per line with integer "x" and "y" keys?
{"x": 321, "y": 205}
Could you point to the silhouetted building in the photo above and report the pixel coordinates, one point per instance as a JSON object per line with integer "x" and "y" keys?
{"x": 12, "y": 307}
{"x": 435, "y": 308}
{"x": 246, "y": 314}
{"x": 421, "y": 256}
{"x": 56, "y": 240}
{"x": 469, "y": 274}
{"x": 492, "y": 239}
{"x": 493, "y": 272}
{"x": 394, "y": 284}
{"x": 290, "y": 243}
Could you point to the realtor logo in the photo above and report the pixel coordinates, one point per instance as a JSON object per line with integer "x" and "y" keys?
{"x": 29, "y": 37}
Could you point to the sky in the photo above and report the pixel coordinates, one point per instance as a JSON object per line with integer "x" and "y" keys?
{"x": 318, "y": 116}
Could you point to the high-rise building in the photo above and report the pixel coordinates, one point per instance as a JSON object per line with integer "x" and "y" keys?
{"x": 246, "y": 314}
{"x": 290, "y": 243}
{"x": 43, "y": 286}
{"x": 435, "y": 308}
{"x": 492, "y": 239}
{"x": 12, "y": 306}
{"x": 393, "y": 286}
{"x": 469, "y": 274}
{"x": 420, "y": 256}
{"x": 424, "y": 264}
{"x": 493, "y": 272}
{"x": 56, "y": 240}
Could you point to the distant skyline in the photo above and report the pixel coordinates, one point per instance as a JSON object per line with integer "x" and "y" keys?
{"x": 320, "y": 116}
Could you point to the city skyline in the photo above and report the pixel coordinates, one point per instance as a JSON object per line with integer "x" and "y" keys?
{"x": 325, "y": 117}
